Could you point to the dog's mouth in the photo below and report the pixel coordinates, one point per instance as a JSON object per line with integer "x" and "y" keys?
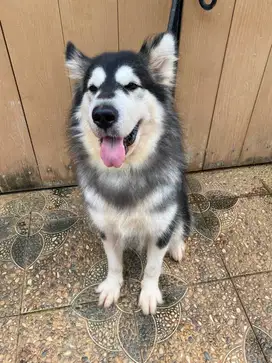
{"x": 113, "y": 150}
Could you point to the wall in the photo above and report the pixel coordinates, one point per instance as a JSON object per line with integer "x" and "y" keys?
{"x": 224, "y": 92}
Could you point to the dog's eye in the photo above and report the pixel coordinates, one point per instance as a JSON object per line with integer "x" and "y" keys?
{"x": 93, "y": 88}
{"x": 131, "y": 86}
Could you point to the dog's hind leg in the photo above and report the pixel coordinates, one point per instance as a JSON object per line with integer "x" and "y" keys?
{"x": 109, "y": 289}
{"x": 176, "y": 247}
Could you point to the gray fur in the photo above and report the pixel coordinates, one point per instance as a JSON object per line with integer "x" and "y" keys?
{"x": 126, "y": 193}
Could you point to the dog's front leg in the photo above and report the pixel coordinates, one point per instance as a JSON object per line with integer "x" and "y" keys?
{"x": 150, "y": 294}
{"x": 109, "y": 289}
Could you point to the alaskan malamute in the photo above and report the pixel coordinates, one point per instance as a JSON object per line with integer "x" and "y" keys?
{"x": 126, "y": 142}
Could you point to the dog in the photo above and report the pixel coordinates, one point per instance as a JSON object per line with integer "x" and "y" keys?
{"x": 125, "y": 138}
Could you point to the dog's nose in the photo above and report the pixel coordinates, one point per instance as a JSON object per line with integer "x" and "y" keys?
{"x": 104, "y": 116}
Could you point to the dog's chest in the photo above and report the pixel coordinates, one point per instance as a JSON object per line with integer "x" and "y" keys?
{"x": 140, "y": 220}
{"x": 125, "y": 222}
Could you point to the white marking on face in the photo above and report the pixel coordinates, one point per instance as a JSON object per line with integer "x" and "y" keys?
{"x": 125, "y": 75}
{"x": 97, "y": 78}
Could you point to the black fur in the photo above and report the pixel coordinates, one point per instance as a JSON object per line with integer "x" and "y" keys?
{"x": 168, "y": 156}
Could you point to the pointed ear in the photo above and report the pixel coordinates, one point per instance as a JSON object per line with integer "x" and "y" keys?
{"x": 161, "y": 53}
{"x": 76, "y": 62}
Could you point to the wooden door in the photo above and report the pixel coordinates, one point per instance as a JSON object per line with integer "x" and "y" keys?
{"x": 223, "y": 92}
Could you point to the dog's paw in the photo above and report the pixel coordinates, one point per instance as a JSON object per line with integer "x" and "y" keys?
{"x": 176, "y": 251}
{"x": 109, "y": 291}
{"x": 150, "y": 297}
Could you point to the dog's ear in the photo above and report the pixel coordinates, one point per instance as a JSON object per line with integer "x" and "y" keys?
{"x": 161, "y": 53}
{"x": 76, "y": 62}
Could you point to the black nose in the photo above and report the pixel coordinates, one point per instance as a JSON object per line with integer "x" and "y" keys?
{"x": 104, "y": 116}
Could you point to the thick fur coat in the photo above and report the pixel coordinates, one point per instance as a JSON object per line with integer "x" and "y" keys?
{"x": 125, "y": 139}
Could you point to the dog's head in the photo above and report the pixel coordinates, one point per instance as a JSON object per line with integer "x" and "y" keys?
{"x": 123, "y": 97}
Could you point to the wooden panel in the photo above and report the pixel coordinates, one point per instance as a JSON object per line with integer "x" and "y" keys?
{"x": 138, "y": 19}
{"x": 246, "y": 56}
{"x": 18, "y": 168}
{"x": 202, "y": 47}
{"x": 34, "y": 38}
{"x": 258, "y": 143}
{"x": 90, "y": 24}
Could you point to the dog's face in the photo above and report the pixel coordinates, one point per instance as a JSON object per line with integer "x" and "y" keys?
{"x": 121, "y": 109}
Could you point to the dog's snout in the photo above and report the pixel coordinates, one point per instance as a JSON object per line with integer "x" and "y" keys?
{"x": 104, "y": 116}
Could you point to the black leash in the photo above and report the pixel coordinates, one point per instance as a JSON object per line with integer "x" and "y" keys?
{"x": 175, "y": 16}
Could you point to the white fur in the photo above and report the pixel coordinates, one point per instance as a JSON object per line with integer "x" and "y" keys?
{"x": 145, "y": 221}
{"x": 76, "y": 65}
{"x": 125, "y": 75}
{"x": 74, "y": 69}
{"x": 156, "y": 198}
{"x": 131, "y": 110}
{"x": 109, "y": 289}
{"x": 128, "y": 223}
{"x": 150, "y": 294}
{"x": 162, "y": 59}
{"x": 98, "y": 77}
{"x": 176, "y": 247}
{"x": 118, "y": 226}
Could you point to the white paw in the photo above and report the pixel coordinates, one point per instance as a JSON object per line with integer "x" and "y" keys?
{"x": 176, "y": 251}
{"x": 109, "y": 291}
{"x": 150, "y": 296}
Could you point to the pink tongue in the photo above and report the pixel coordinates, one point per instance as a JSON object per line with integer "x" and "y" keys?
{"x": 112, "y": 151}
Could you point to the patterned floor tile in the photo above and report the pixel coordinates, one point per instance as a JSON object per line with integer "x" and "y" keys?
{"x": 246, "y": 246}
{"x": 29, "y": 220}
{"x": 201, "y": 262}
{"x": 59, "y": 273}
{"x": 237, "y": 182}
{"x": 212, "y": 328}
{"x": 8, "y": 339}
{"x": 118, "y": 328}
{"x": 213, "y": 212}
{"x": 14, "y": 227}
{"x": 60, "y": 336}
{"x": 66, "y": 257}
{"x": 256, "y": 294}
{"x": 66, "y": 197}
{"x": 48, "y": 250}
{"x": 265, "y": 175}
{"x": 197, "y": 324}
{"x": 11, "y": 282}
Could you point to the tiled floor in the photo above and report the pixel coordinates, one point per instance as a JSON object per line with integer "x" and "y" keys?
{"x": 217, "y": 302}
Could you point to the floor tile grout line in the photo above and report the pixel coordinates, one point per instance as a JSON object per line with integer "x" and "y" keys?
{"x": 269, "y": 190}
{"x": 231, "y": 278}
{"x": 57, "y": 308}
{"x": 225, "y": 168}
{"x": 249, "y": 274}
{"x": 218, "y": 251}
{"x": 191, "y": 284}
{"x": 39, "y": 189}
{"x": 135, "y": 323}
{"x": 239, "y": 196}
{"x": 22, "y": 294}
{"x": 71, "y": 186}
{"x": 248, "y": 319}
